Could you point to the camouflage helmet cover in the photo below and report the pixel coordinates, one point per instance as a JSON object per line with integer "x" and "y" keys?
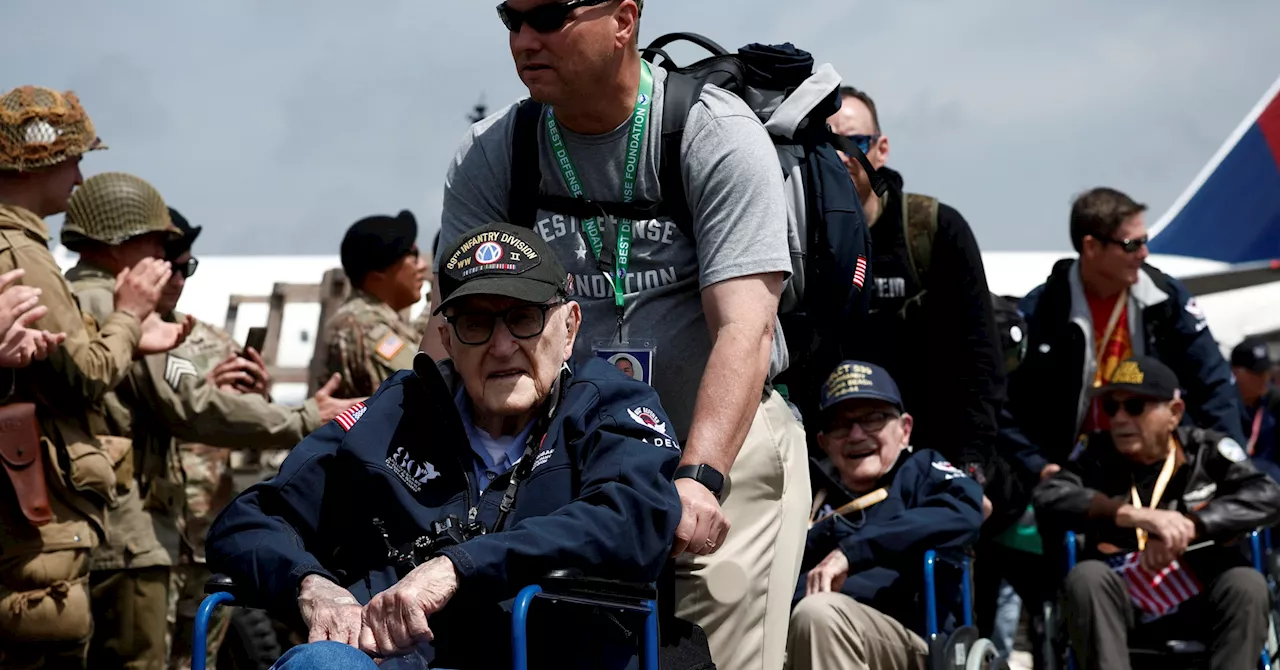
{"x": 113, "y": 207}
{"x": 40, "y": 127}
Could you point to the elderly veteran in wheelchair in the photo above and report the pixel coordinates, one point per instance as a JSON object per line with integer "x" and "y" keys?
{"x": 879, "y": 507}
{"x": 1159, "y": 505}
{"x": 406, "y": 526}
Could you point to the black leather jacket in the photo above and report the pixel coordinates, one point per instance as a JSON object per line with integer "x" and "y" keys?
{"x": 1215, "y": 485}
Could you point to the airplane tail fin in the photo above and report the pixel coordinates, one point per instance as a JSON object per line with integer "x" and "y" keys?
{"x": 1231, "y": 212}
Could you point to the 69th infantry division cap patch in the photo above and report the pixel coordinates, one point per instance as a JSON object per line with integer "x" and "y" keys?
{"x": 502, "y": 260}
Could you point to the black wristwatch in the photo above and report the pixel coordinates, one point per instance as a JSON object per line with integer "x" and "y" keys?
{"x": 703, "y": 474}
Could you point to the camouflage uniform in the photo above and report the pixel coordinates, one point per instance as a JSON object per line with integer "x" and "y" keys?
{"x": 367, "y": 342}
{"x": 209, "y": 488}
{"x": 167, "y": 399}
{"x": 45, "y": 614}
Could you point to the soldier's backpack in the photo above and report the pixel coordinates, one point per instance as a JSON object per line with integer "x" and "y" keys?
{"x": 827, "y": 231}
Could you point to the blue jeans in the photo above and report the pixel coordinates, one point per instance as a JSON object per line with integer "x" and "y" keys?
{"x": 326, "y": 655}
{"x": 329, "y": 655}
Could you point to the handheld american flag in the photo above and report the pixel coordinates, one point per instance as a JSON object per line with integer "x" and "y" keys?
{"x": 1155, "y": 593}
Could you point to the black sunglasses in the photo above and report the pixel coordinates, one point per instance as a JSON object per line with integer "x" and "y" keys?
{"x": 546, "y": 18}
{"x": 186, "y": 269}
{"x": 1129, "y": 246}
{"x": 1134, "y": 407}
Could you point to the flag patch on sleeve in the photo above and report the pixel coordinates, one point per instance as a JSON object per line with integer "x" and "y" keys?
{"x": 389, "y": 347}
{"x": 349, "y": 418}
{"x": 860, "y": 272}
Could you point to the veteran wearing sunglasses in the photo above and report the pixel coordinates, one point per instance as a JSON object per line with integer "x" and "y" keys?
{"x": 540, "y": 464}
{"x": 1094, "y": 312}
{"x": 1148, "y": 494}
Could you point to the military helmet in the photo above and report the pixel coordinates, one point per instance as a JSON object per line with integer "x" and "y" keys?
{"x": 113, "y": 207}
{"x": 40, "y": 127}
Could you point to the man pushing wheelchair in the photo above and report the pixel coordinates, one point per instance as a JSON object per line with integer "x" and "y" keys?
{"x": 407, "y": 525}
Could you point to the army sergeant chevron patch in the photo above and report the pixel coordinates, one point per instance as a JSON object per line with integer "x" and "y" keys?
{"x": 176, "y": 368}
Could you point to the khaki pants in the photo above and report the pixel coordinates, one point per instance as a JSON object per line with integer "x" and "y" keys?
{"x": 741, "y": 595}
{"x": 130, "y": 618}
{"x": 832, "y": 630}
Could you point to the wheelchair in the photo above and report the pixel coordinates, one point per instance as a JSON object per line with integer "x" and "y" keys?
{"x": 964, "y": 648}
{"x": 565, "y": 586}
{"x": 1192, "y": 653}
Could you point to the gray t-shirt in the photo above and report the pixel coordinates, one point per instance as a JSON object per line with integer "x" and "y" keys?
{"x": 735, "y": 192}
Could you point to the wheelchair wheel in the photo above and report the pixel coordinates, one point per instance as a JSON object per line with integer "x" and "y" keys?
{"x": 251, "y": 642}
{"x": 983, "y": 656}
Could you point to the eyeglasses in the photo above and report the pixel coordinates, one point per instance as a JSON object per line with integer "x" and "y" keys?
{"x": 186, "y": 269}
{"x": 1129, "y": 246}
{"x": 546, "y": 18}
{"x": 863, "y": 142}
{"x": 870, "y": 423}
{"x": 522, "y": 321}
{"x": 1134, "y": 407}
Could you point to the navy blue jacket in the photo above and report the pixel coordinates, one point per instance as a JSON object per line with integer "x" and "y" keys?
{"x": 931, "y": 505}
{"x": 1046, "y": 402}
{"x": 599, "y": 498}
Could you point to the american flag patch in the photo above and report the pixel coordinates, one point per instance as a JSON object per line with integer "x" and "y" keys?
{"x": 389, "y": 347}
{"x": 860, "y": 272}
{"x": 1155, "y": 593}
{"x": 349, "y": 418}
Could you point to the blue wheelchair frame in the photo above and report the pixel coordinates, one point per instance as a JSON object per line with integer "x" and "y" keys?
{"x": 931, "y": 595}
{"x": 1256, "y": 541}
{"x": 569, "y": 588}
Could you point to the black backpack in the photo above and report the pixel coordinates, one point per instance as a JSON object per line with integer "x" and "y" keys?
{"x": 830, "y": 245}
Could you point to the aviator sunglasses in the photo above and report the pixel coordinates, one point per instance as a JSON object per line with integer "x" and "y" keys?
{"x": 546, "y": 18}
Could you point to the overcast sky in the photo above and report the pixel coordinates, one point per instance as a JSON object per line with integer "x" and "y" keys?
{"x": 277, "y": 123}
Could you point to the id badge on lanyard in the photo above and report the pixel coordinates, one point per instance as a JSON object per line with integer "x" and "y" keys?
{"x": 634, "y": 358}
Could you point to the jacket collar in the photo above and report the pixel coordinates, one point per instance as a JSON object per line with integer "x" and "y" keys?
{"x": 85, "y": 270}
{"x": 20, "y": 218}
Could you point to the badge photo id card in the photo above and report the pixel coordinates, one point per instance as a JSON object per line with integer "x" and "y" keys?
{"x": 633, "y": 358}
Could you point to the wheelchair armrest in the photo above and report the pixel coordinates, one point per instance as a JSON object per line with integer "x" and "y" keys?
{"x": 573, "y": 582}
{"x": 219, "y": 583}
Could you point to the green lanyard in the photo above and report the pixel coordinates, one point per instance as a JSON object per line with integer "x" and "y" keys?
{"x": 635, "y": 147}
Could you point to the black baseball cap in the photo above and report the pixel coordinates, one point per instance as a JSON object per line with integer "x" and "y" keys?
{"x": 181, "y": 245}
{"x": 1142, "y": 376}
{"x": 852, "y": 380}
{"x": 1252, "y": 355}
{"x": 375, "y": 243}
{"x": 504, "y": 260}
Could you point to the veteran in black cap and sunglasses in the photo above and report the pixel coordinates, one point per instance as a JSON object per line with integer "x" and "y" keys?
{"x": 366, "y": 339}
{"x": 580, "y": 457}
{"x": 1145, "y": 493}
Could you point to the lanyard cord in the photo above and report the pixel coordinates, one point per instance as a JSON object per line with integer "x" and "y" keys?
{"x": 1166, "y": 473}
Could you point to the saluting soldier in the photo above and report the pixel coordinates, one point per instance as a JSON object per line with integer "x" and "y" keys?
{"x": 58, "y": 478}
{"x": 113, "y": 220}
{"x": 368, "y": 341}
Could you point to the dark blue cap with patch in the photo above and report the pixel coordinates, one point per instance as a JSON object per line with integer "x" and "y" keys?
{"x": 504, "y": 260}
{"x": 854, "y": 380}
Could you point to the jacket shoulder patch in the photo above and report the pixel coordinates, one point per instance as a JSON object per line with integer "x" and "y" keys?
{"x": 175, "y": 369}
{"x": 349, "y": 418}
{"x": 647, "y": 418}
{"x": 948, "y": 469}
{"x": 1231, "y": 450}
{"x": 1193, "y": 308}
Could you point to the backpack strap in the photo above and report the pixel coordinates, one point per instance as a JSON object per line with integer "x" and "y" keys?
{"x": 526, "y": 167}
{"x": 680, "y": 94}
{"x": 920, "y": 226}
